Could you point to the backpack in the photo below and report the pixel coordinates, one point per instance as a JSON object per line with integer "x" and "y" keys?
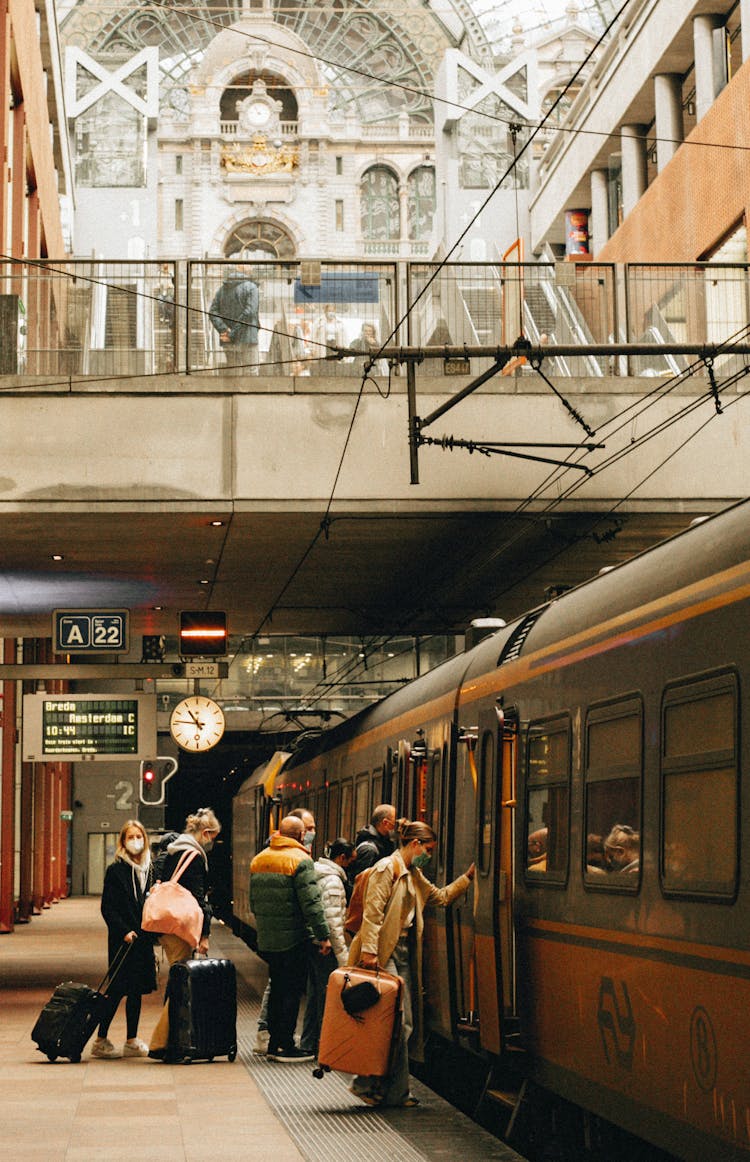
{"x": 356, "y": 907}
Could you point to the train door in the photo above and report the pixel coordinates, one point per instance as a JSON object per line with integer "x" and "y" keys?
{"x": 483, "y": 921}
{"x": 463, "y": 815}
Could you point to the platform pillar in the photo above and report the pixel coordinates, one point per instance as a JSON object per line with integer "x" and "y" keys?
{"x": 7, "y": 790}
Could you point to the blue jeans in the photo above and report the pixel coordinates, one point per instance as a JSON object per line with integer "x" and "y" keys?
{"x": 394, "y": 1089}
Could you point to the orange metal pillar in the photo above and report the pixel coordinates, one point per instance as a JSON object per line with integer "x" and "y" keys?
{"x": 30, "y": 773}
{"x": 5, "y": 104}
{"x": 7, "y": 792}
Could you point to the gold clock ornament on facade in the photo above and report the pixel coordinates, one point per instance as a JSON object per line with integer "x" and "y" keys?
{"x": 197, "y": 723}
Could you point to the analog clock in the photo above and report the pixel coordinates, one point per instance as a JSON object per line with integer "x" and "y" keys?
{"x": 257, "y": 113}
{"x": 197, "y": 723}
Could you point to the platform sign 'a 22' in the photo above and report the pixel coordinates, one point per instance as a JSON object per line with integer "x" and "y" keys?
{"x": 91, "y": 631}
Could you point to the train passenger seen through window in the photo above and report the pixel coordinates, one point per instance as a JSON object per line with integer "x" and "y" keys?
{"x": 622, "y": 850}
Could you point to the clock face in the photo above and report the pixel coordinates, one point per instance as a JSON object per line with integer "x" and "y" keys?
{"x": 197, "y": 723}
{"x": 258, "y": 112}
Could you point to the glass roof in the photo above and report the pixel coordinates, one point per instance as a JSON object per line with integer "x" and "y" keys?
{"x": 498, "y": 18}
{"x": 379, "y": 57}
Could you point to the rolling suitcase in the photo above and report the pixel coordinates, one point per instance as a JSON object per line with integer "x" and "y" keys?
{"x": 361, "y": 1022}
{"x": 67, "y": 1021}
{"x": 202, "y": 996}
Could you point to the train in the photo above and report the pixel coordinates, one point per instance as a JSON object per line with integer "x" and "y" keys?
{"x": 589, "y": 757}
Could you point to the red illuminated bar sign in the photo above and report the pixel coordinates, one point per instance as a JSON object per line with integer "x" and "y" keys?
{"x": 203, "y": 635}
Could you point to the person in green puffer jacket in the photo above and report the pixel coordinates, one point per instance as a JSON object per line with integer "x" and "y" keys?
{"x": 288, "y": 908}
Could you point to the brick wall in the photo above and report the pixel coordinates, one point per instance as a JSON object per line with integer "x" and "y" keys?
{"x": 701, "y": 196}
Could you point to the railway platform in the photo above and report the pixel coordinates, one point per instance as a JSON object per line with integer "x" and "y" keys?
{"x": 135, "y": 1108}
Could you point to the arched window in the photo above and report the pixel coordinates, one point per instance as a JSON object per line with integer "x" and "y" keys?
{"x": 259, "y": 238}
{"x": 274, "y": 88}
{"x": 379, "y": 205}
{"x": 421, "y": 203}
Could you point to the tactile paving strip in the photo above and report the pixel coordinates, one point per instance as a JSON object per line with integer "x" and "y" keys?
{"x": 325, "y": 1120}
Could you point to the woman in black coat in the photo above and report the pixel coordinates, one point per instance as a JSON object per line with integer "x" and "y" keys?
{"x": 126, "y": 883}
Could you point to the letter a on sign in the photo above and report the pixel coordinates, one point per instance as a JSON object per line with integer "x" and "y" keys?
{"x": 74, "y": 637}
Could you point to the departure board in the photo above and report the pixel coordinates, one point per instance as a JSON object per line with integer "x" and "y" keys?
{"x": 103, "y": 726}
{"x": 86, "y": 726}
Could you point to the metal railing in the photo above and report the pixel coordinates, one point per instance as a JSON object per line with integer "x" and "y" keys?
{"x": 105, "y": 319}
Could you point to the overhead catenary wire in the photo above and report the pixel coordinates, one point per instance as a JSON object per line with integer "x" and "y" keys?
{"x": 365, "y": 378}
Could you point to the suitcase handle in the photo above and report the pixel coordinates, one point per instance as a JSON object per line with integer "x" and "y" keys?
{"x": 116, "y": 964}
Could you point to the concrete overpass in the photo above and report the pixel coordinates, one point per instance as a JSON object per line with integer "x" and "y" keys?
{"x": 289, "y": 504}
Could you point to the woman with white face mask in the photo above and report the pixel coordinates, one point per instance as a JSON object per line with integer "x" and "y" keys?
{"x": 126, "y": 883}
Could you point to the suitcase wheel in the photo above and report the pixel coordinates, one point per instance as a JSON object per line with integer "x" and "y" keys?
{"x": 76, "y": 1059}
{"x": 52, "y": 1057}
{"x": 319, "y": 1070}
{"x": 232, "y": 1054}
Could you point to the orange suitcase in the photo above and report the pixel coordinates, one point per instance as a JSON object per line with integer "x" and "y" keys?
{"x": 355, "y": 1038}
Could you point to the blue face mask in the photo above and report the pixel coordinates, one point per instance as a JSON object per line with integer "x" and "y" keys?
{"x": 308, "y": 839}
{"x": 421, "y": 860}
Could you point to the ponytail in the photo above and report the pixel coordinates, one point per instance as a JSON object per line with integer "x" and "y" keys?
{"x": 409, "y": 830}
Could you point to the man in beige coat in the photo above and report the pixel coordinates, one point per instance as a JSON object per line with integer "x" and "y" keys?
{"x": 391, "y": 936}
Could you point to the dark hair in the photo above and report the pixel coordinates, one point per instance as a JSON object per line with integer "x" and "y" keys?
{"x": 414, "y": 829}
{"x": 339, "y": 847}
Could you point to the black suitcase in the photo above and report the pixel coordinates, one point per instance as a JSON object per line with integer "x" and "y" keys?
{"x": 202, "y": 997}
{"x": 67, "y": 1021}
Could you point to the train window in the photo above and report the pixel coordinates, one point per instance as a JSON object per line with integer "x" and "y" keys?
{"x": 700, "y": 793}
{"x": 361, "y": 803}
{"x": 614, "y": 765}
{"x": 548, "y": 815}
{"x": 346, "y": 809}
{"x": 334, "y": 802}
{"x": 321, "y": 818}
{"x": 377, "y": 789}
{"x": 432, "y": 814}
{"x": 485, "y": 799}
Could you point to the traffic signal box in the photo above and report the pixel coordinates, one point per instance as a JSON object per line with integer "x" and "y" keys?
{"x": 152, "y": 788}
{"x": 203, "y": 635}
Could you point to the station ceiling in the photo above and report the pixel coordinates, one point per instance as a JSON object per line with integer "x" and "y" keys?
{"x": 283, "y": 573}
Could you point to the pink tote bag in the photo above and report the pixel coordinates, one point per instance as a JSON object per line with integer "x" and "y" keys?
{"x": 170, "y": 908}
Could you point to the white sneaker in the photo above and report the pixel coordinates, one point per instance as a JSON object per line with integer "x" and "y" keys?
{"x": 262, "y": 1040}
{"x": 135, "y": 1048}
{"x": 103, "y": 1047}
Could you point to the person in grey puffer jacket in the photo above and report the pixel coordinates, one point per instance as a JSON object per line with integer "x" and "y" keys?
{"x": 331, "y": 873}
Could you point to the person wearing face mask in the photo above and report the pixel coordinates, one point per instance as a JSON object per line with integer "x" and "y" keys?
{"x": 391, "y": 936}
{"x": 198, "y": 837}
{"x": 288, "y": 908}
{"x": 308, "y": 841}
{"x": 126, "y": 883}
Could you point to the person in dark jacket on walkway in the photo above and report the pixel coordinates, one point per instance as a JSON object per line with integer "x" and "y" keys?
{"x": 234, "y": 315}
{"x": 200, "y": 832}
{"x": 375, "y": 841}
{"x": 288, "y": 907}
{"x": 126, "y": 883}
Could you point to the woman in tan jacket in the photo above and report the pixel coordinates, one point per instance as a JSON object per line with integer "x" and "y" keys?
{"x": 391, "y": 936}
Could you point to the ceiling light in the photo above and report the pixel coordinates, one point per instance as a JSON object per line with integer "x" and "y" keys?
{"x": 205, "y": 581}
{"x": 57, "y": 556}
{"x": 217, "y": 524}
